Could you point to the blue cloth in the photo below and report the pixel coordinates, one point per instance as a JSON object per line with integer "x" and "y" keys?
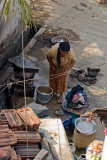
{"x": 73, "y": 123}
{"x": 75, "y": 158}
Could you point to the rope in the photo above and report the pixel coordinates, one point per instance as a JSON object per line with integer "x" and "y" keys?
{"x": 16, "y": 82}
{"x": 3, "y": 89}
{"x": 54, "y": 75}
{"x": 24, "y": 89}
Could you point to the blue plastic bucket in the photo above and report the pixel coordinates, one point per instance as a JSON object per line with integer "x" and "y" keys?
{"x": 65, "y": 123}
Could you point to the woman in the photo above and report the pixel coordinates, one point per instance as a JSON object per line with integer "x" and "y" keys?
{"x": 61, "y": 58}
{"x": 76, "y": 104}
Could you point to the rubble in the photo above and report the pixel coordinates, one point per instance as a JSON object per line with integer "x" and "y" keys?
{"x": 88, "y": 78}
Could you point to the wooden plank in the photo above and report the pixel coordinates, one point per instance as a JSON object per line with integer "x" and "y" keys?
{"x": 54, "y": 153}
{"x": 49, "y": 157}
{"x": 33, "y": 40}
{"x": 41, "y": 155}
{"x": 96, "y": 112}
{"x": 45, "y": 145}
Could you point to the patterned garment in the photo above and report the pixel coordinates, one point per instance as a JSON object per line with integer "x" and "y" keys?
{"x": 76, "y": 104}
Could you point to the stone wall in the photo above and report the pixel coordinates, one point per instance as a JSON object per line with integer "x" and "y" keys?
{"x": 10, "y": 32}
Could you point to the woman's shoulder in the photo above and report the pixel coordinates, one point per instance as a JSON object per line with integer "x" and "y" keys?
{"x": 53, "y": 50}
{"x": 71, "y": 54}
{"x": 55, "y": 47}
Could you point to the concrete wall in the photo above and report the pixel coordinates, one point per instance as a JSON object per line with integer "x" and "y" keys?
{"x": 6, "y": 29}
{"x": 10, "y": 32}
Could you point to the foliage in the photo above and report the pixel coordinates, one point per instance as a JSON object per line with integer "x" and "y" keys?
{"x": 96, "y": 157}
{"x": 24, "y": 8}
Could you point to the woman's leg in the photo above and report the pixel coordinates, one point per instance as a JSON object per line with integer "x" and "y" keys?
{"x": 60, "y": 98}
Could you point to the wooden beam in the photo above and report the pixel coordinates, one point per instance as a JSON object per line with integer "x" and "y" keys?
{"x": 49, "y": 157}
{"x": 54, "y": 154}
{"x": 41, "y": 155}
{"x": 33, "y": 41}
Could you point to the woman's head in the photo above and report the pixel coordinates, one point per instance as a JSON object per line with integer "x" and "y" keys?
{"x": 64, "y": 48}
{"x": 75, "y": 98}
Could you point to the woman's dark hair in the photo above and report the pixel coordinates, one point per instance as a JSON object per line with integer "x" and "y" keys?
{"x": 74, "y": 90}
{"x": 64, "y": 46}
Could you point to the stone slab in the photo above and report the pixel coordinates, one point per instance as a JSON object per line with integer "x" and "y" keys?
{"x": 54, "y": 132}
{"x": 37, "y": 108}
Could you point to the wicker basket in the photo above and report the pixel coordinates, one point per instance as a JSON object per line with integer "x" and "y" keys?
{"x": 81, "y": 141}
{"x": 83, "y": 136}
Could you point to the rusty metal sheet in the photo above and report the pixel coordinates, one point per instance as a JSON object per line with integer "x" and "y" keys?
{"x": 7, "y": 138}
{"x": 13, "y": 118}
{"x": 11, "y": 151}
{"x": 4, "y": 127}
{"x": 29, "y": 117}
{"x": 31, "y": 136}
{"x": 23, "y": 151}
{"x": 3, "y": 119}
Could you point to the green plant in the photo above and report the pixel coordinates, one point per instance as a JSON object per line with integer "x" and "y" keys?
{"x": 96, "y": 157}
{"x": 24, "y": 8}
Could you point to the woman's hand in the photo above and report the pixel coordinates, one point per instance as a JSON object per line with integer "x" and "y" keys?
{"x": 52, "y": 67}
{"x": 66, "y": 73}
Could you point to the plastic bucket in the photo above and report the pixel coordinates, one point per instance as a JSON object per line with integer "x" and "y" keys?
{"x": 65, "y": 123}
{"x": 82, "y": 157}
{"x": 82, "y": 125}
{"x": 44, "y": 94}
{"x": 73, "y": 149}
{"x": 84, "y": 132}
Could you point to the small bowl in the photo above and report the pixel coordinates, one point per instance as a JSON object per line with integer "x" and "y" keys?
{"x": 59, "y": 39}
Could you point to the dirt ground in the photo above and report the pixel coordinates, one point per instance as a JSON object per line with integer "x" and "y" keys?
{"x": 85, "y": 24}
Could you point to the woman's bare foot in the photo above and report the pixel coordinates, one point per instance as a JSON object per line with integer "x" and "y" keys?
{"x": 60, "y": 99}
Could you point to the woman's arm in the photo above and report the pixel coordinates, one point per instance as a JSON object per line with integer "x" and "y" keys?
{"x": 69, "y": 67}
{"x": 52, "y": 66}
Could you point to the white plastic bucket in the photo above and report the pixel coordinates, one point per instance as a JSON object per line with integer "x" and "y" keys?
{"x": 44, "y": 94}
{"x": 73, "y": 149}
{"x": 82, "y": 157}
{"x": 83, "y": 126}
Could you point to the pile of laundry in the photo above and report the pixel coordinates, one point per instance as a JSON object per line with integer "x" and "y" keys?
{"x": 87, "y": 77}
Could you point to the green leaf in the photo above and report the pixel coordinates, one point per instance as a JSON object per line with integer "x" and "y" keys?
{"x": 0, "y": 1}
{"x": 24, "y": 8}
{"x": 6, "y": 10}
{"x": 23, "y": 14}
{"x": 3, "y": 8}
{"x": 12, "y": 9}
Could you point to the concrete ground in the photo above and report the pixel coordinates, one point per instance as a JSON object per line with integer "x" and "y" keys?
{"x": 84, "y": 23}
{"x": 88, "y": 20}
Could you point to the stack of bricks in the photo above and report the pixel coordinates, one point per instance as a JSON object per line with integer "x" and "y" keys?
{"x": 18, "y": 141}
